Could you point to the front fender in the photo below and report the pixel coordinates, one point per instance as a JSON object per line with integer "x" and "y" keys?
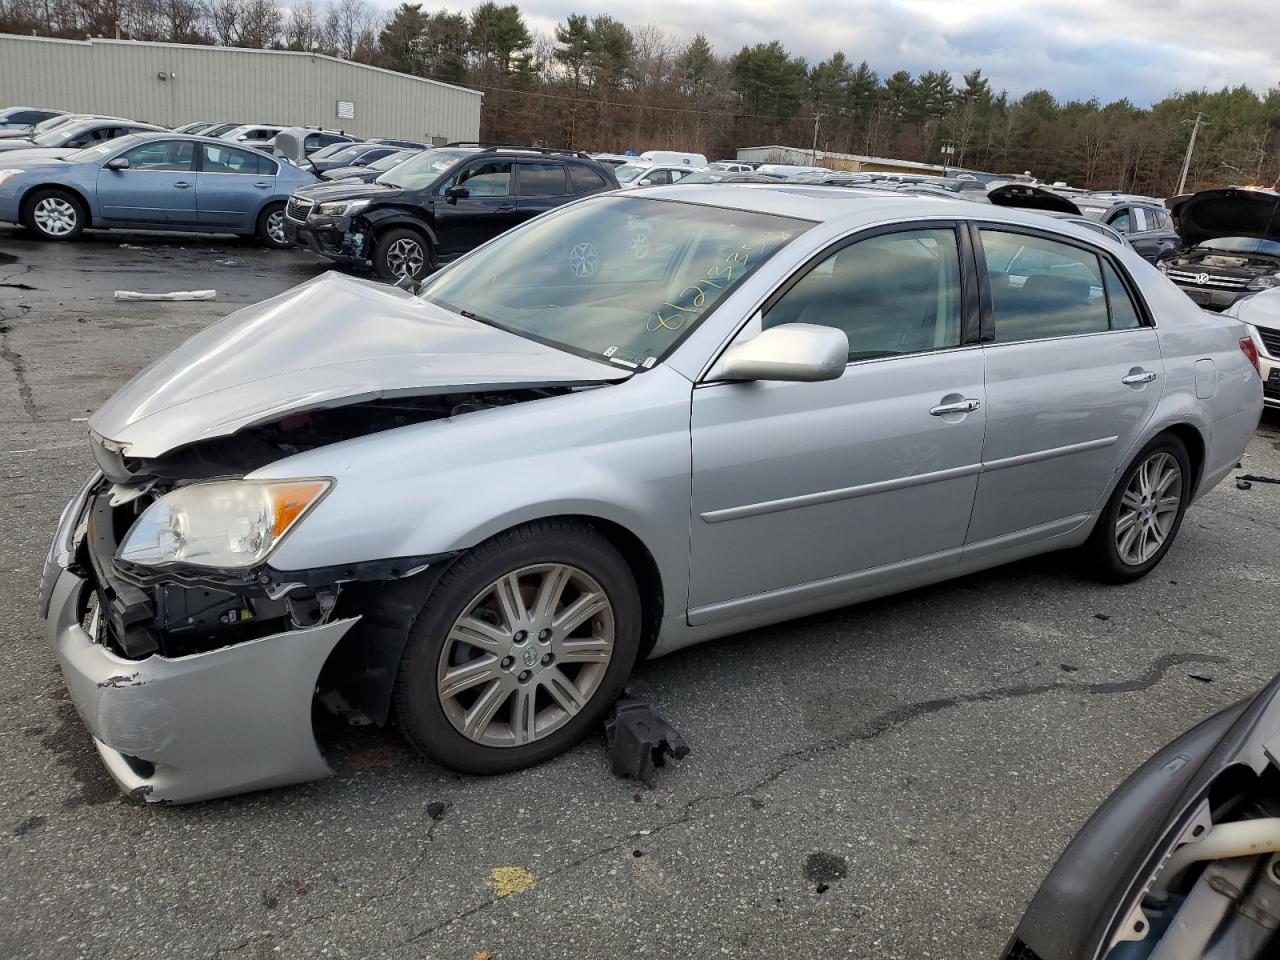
{"x": 383, "y": 218}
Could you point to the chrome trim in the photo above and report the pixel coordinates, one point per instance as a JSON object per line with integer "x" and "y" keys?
{"x": 900, "y": 483}
{"x": 1218, "y": 281}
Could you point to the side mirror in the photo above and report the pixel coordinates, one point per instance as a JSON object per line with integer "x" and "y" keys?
{"x": 118, "y": 163}
{"x": 454, "y": 194}
{"x": 797, "y": 352}
{"x": 360, "y": 163}
{"x": 645, "y": 182}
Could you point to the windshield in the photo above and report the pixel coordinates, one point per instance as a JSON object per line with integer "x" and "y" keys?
{"x": 100, "y": 150}
{"x": 60, "y": 135}
{"x": 706, "y": 176}
{"x": 346, "y": 152}
{"x": 1267, "y": 248}
{"x": 422, "y": 170}
{"x": 391, "y": 160}
{"x": 615, "y": 277}
{"x": 628, "y": 172}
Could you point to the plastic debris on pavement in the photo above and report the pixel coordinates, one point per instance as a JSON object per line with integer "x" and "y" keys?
{"x": 175, "y": 295}
{"x": 639, "y": 741}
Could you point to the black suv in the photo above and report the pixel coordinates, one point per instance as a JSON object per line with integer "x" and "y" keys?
{"x": 438, "y": 205}
{"x": 1145, "y": 222}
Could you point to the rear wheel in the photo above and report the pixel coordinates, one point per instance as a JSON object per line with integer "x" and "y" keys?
{"x": 519, "y": 650}
{"x": 1143, "y": 516}
{"x": 55, "y": 215}
{"x": 271, "y": 226}
{"x": 401, "y": 253}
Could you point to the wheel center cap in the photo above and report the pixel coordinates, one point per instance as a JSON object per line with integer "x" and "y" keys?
{"x": 530, "y": 656}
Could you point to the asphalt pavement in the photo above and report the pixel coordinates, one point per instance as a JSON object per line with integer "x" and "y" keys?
{"x": 891, "y": 780}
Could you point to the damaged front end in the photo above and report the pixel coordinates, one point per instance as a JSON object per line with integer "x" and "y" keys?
{"x": 192, "y": 660}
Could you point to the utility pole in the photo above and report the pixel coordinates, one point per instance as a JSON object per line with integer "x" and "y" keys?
{"x": 1191, "y": 145}
{"x": 816, "y": 118}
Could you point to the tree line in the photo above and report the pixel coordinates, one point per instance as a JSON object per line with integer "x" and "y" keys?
{"x": 598, "y": 84}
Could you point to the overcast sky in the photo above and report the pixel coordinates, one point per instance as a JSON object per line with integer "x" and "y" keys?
{"x": 1139, "y": 49}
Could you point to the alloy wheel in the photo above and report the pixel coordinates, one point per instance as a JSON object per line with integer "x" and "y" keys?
{"x": 405, "y": 258}
{"x": 54, "y": 216}
{"x": 526, "y": 655}
{"x": 1148, "y": 508}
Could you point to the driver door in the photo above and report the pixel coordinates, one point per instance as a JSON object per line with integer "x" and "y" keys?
{"x": 488, "y": 209}
{"x": 805, "y": 491}
{"x": 158, "y": 186}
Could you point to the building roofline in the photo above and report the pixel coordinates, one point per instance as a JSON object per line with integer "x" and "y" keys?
{"x": 212, "y": 47}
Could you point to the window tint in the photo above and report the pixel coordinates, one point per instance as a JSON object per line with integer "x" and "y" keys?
{"x": 584, "y": 179}
{"x": 312, "y": 142}
{"x": 27, "y": 116}
{"x": 1041, "y": 288}
{"x": 1124, "y": 315}
{"x": 491, "y": 179}
{"x": 895, "y": 294}
{"x": 161, "y": 155}
{"x": 219, "y": 159}
{"x": 542, "y": 180}
{"x": 1121, "y": 222}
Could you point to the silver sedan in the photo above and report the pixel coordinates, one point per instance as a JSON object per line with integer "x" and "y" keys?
{"x": 639, "y": 422}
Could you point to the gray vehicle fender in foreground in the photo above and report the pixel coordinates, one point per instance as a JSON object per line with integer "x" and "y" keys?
{"x": 213, "y": 724}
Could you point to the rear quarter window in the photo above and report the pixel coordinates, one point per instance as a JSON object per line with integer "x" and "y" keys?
{"x": 585, "y": 180}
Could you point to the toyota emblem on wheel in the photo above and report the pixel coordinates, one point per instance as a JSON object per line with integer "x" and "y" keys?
{"x": 583, "y": 260}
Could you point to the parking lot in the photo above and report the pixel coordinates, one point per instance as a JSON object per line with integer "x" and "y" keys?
{"x": 891, "y": 780}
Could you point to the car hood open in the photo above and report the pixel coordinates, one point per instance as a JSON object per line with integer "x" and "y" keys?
{"x": 1030, "y": 198}
{"x": 1231, "y": 212}
{"x": 332, "y": 341}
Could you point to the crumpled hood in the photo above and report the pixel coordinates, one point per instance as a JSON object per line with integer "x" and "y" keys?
{"x": 331, "y": 341}
{"x": 327, "y": 190}
{"x": 1232, "y": 212}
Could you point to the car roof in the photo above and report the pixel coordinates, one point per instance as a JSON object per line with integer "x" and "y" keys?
{"x": 850, "y": 206}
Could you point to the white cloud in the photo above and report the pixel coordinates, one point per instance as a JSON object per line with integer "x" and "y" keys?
{"x": 1109, "y": 49}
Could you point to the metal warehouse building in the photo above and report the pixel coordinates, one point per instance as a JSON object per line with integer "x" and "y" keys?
{"x": 173, "y": 83}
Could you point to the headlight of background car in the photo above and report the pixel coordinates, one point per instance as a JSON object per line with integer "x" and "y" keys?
{"x": 228, "y": 523}
{"x": 1265, "y": 283}
{"x": 8, "y": 174}
{"x": 341, "y": 208}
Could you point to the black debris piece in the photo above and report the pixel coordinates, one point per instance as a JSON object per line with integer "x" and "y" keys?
{"x": 1201, "y": 677}
{"x": 639, "y": 741}
{"x": 436, "y": 809}
{"x": 1102, "y": 616}
{"x": 1253, "y": 478}
{"x": 1242, "y": 484}
{"x": 1068, "y": 667}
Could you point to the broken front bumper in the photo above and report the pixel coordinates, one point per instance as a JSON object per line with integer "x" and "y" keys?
{"x": 179, "y": 729}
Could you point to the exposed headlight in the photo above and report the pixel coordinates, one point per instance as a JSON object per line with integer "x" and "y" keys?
{"x": 225, "y": 523}
{"x": 8, "y": 174}
{"x": 1265, "y": 283}
{"x": 341, "y": 208}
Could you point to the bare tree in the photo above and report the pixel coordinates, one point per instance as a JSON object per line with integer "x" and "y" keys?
{"x": 260, "y": 22}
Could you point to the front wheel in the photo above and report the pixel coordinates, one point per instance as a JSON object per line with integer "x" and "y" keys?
{"x": 401, "y": 254}
{"x": 55, "y": 215}
{"x": 1143, "y": 516}
{"x": 270, "y": 231}
{"x": 519, "y": 650}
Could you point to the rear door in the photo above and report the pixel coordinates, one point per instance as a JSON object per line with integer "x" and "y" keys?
{"x": 489, "y": 208}
{"x": 540, "y": 186}
{"x": 231, "y": 186}
{"x": 1073, "y": 375}
{"x": 158, "y": 187}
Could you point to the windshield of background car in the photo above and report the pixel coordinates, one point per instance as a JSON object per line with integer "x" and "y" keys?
{"x": 330, "y": 150}
{"x": 422, "y": 170}
{"x": 628, "y": 172}
{"x": 60, "y": 135}
{"x": 391, "y": 160}
{"x": 102, "y": 150}
{"x": 621, "y": 278}
{"x": 1251, "y": 245}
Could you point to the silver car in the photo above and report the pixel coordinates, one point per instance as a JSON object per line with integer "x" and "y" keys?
{"x": 641, "y": 421}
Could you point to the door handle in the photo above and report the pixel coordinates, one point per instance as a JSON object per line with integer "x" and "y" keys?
{"x": 958, "y": 406}
{"x": 181, "y": 184}
{"x": 1138, "y": 376}
{"x": 261, "y": 183}
{"x": 505, "y": 207}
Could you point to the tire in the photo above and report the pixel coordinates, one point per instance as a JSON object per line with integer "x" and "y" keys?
{"x": 402, "y": 252}
{"x": 1113, "y": 554}
{"x": 509, "y": 673}
{"x": 270, "y": 230}
{"x": 53, "y": 214}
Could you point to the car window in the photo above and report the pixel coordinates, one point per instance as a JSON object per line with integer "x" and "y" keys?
{"x": 542, "y": 180}
{"x": 1124, "y": 315}
{"x": 220, "y": 159}
{"x": 1041, "y": 288}
{"x": 491, "y": 178}
{"x": 161, "y": 155}
{"x": 1163, "y": 220}
{"x": 311, "y": 142}
{"x": 890, "y": 295}
{"x": 657, "y": 177}
{"x": 1121, "y": 222}
{"x": 585, "y": 180}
